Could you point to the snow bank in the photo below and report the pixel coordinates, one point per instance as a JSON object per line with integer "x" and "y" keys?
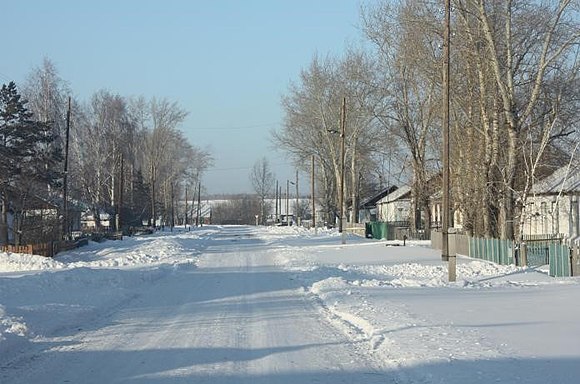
{"x": 40, "y": 295}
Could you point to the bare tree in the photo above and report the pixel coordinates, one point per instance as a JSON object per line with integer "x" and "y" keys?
{"x": 159, "y": 139}
{"x": 312, "y": 109}
{"x": 514, "y": 82}
{"x": 519, "y": 59}
{"x": 408, "y": 91}
{"x": 46, "y": 93}
{"x": 262, "y": 179}
{"x": 100, "y": 141}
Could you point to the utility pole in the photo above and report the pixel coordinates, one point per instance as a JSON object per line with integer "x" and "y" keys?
{"x": 451, "y": 259}
{"x": 312, "y": 195}
{"x": 287, "y": 201}
{"x": 297, "y": 202}
{"x": 198, "y": 220}
{"x": 153, "y": 213}
{"x": 276, "y": 217}
{"x": 172, "y": 223}
{"x": 121, "y": 187}
{"x": 185, "y": 223}
{"x": 65, "y": 223}
{"x": 342, "y": 150}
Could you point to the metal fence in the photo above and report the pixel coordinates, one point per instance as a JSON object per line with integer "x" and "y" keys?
{"x": 563, "y": 260}
{"x": 494, "y": 250}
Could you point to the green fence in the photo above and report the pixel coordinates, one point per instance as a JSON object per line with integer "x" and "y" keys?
{"x": 379, "y": 230}
{"x": 564, "y": 260}
{"x": 560, "y": 260}
{"x": 494, "y": 250}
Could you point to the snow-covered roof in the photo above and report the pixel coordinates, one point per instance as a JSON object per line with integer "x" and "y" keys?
{"x": 396, "y": 195}
{"x": 372, "y": 201}
{"x": 564, "y": 180}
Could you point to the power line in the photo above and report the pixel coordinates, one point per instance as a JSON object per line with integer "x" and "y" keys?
{"x": 235, "y": 128}
{"x": 244, "y": 168}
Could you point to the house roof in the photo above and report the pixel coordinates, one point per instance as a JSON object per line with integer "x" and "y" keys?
{"x": 372, "y": 201}
{"x": 396, "y": 195}
{"x": 564, "y": 180}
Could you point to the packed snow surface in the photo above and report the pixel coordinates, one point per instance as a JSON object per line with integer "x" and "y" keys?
{"x": 280, "y": 305}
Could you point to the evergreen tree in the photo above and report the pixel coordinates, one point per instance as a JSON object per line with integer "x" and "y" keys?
{"x": 25, "y": 152}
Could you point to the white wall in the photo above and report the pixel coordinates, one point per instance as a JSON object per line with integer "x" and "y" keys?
{"x": 552, "y": 214}
{"x": 394, "y": 211}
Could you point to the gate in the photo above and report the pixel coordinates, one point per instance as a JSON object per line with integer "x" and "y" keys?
{"x": 537, "y": 254}
{"x": 548, "y": 249}
{"x": 538, "y": 248}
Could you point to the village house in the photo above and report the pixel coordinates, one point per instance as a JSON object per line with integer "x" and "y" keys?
{"x": 553, "y": 205}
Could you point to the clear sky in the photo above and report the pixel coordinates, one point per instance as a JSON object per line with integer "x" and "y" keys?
{"x": 227, "y": 62}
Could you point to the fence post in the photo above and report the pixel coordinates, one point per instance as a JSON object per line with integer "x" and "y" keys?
{"x": 523, "y": 255}
{"x": 575, "y": 260}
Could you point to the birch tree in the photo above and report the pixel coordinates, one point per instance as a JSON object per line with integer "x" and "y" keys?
{"x": 526, "y": 53}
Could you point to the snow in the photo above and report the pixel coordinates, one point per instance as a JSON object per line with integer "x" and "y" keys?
{"x": 281, "y": 305}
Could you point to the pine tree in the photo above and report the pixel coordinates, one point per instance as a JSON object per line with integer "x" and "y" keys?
{"x": 25, "y": 152}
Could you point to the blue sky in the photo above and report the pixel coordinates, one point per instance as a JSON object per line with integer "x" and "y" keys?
{"x": 227, "y": 62}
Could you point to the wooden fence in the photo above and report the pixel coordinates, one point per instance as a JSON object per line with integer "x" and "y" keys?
{"x": 44, "y": 249}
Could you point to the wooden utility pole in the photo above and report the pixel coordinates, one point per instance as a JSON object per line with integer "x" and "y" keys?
{"x": 297, "y": 201}
{"x": 153, "y": 213}
{"x": 172, "y": 207}
{"x": 66, "y": 226}
{"x": 120, "y": 194}
{"x": 287, "y": 201}
{"x": 452, "y": 262}
{"x": 342, "y": 155}
{"x": 312, "y": 195}
{"x": 276, "y": 217}
{"x": 185, "y": 223}
{"x": 199, "y": 205}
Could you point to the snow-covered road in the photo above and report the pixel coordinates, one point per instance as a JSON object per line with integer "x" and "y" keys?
{"x": 236, "y": 318}
{"x": 280, "y": 305}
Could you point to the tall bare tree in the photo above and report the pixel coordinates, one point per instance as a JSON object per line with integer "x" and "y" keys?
{"x": 409, "y": 88}
{"x": 312, "y": 123}
{"x": 262, "y": 179}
